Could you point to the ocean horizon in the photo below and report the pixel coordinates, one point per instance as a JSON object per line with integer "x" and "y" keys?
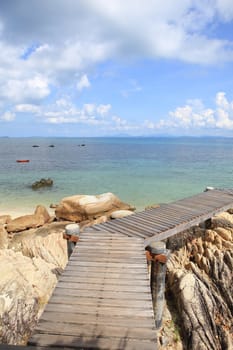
{"x": 139, "y": 170}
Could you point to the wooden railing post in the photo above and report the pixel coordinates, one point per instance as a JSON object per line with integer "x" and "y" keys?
{"x": 72, "y": 236}
{"x": 158, "y": 255}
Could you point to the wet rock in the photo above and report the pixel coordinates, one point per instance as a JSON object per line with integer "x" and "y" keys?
{"x": 42, "y": 183}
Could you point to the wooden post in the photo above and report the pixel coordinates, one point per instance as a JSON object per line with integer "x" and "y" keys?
{"x": 158, "y": 255}
{"x": 72, "y": 236}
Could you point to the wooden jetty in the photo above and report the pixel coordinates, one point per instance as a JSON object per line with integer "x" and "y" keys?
{"x": 103, "y": 298}
{"x": 169, "y": 219}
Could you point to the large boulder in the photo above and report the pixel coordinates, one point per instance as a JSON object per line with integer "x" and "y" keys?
{"x": 45, "y": 242}
{"x": 199, "y": 282}
{"x": 85, "y": 207}
{"x": 39, "y": 218}
{"x": 25, "y": 287}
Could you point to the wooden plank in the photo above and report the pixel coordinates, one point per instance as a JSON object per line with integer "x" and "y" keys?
{"x": 132, "y": 222}
{"x": 123, "y": 275}
{"x": 111, "y": 281}
{"x": 106, "y": 270}
{"x": 120, "y": 287}
{"x": 185, "y": 226}
{"x": 96, "y": 330}
{"x": 103, "y": 294}
{"x": 100, "y": 310}
{"x": 91, "y": 343}
{"x": 90, "y": 319}
{"x": 123, "y": 228}
{"x": 65, "y": 299}
{"x": 113, "y": 265}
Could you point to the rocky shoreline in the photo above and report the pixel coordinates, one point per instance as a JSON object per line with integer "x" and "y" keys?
{"x": 199, "y": 288}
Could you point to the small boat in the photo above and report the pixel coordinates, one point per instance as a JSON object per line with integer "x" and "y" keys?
{"x": 22, "y": 160}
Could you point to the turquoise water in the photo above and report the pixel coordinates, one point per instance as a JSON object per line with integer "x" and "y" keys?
{"x": 140, "y": 171}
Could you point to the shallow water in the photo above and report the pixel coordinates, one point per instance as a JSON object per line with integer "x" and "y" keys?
{"x": 140, "y": 171}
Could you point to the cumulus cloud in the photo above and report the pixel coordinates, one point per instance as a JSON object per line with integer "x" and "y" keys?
{"x": 7, "y": 116}
{"x": 27, "y": 108}
{"x": 64, "y": 112}
{"x": 195, "y": 116}
{"x": 17, "y": 90}
{"x": 49, "y": 47}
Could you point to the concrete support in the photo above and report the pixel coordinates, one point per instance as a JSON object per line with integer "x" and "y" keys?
{"x": 72, "y": 236}
{"x": 158, "y": 255}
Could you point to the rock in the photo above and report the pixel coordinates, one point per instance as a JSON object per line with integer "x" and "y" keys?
{"x": 224, "y": 220}
{"x": 42, "y": 211}
{"x": 118, "y": 214}
{"x": 97, "y": 221}
{"x": 39, "y": 218}
{"x": 4, "y": 219}
{"x": 24, "y": 222}
{"x": 152, "y": 206}
{"x": 42, "y": 183}
{"x": 53, "y": 206}
{"x": 85, "y": 207}
{"x": 199, "y": 281}
{"x": 3, "y": 238}
{"x": 224, "y": 233}
{"x": 26, "y": 285}
{"x": 46, "y": 242}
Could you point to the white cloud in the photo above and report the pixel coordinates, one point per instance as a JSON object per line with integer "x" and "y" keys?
{"x": 7, "y": 116}
{"x": 83, "y": 83}
{"x": 18, "y": 90}
{"x": 64, "y": 112}
{"x": 27, "y": 108}
{"x": 103, "y": 110}
{"x": 194, "y": 115}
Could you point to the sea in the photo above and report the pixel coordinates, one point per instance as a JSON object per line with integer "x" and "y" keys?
{"x": 141, "y": 171}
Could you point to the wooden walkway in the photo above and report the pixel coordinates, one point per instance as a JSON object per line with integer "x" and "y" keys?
{"x": 103, "y": 298}
{"x": 169, "y": 219}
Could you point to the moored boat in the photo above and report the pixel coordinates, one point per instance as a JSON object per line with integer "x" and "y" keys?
{"x": 22, "y": 160}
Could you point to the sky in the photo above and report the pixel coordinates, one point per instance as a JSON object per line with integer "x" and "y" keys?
{"x": 77, "y": 68}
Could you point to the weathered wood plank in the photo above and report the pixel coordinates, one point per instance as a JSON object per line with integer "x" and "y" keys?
{"x": 65, "y": 299}
{"x": 103, "y": 294}
{"x": 103, "y": 310}
{"x": 98, "y": 279}
{"x": 123, "y": 275}
{"x": 81, "y": 342}
{"x": 104, "y": 287}
{"x": 96, "y": 330}
{"x": 90, "y": 319}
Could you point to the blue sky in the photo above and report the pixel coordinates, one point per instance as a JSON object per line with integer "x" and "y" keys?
{"x": 99, "y": 67}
